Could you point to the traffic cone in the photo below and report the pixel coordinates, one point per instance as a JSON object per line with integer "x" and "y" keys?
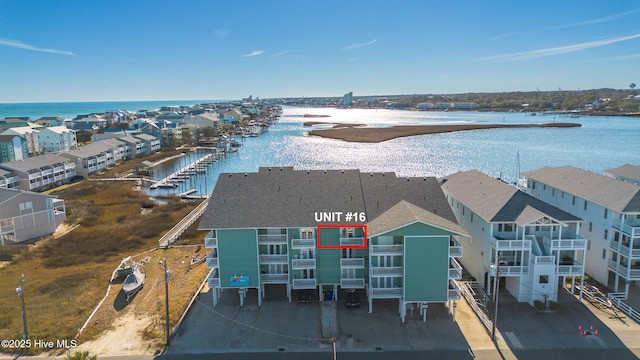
{"x": 591, "y": 328}
{"x": 579, "y": 328}
{"x": 584, "y": 333}
{"x": 595, "y": 333}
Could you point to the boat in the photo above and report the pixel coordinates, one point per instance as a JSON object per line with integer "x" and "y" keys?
{"x": 197, "y": 260}
{"x": 133, "y": 282}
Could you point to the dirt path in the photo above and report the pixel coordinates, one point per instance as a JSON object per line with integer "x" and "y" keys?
{"x": 125, "y": 339}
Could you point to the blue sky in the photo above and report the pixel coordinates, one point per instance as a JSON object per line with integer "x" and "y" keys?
{"x": 89, "y": 50}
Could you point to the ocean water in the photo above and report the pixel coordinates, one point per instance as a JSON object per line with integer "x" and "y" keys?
{"x": 69, "y": 110}
{"x": 600, "y": 143}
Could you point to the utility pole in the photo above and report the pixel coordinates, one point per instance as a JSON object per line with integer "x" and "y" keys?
{"x": 20, "y": 293}
{"x": 496, "y": 289}
{"x": 166, "y": 299}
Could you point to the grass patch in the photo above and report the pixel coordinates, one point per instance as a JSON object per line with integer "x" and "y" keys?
{"x": 65, "y": 278}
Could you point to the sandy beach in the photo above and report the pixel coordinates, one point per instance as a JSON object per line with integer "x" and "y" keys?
{"x": 375, "y": 135}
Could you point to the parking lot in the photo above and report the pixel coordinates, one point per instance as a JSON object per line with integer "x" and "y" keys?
{"x": 280, "y": 326}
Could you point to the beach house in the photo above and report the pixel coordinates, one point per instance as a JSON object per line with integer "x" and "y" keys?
{"x": 26, "y": 215}
{"x": 57, "y": 139}
{"x": 533, "y": 246}
{"x": 611, "y": 210}
{"x": 12, "y": 148}
{"x": 333, "y": 230}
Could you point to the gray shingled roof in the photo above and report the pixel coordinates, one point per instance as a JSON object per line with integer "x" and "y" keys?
{"x": 35, "y": 162}
{"x": 283, "y": 197}
{"x": 496, "y": 201}
{"x": 404, "y": 213}
{"x": 611, "y": 193}
{"x": 626, "y": 171}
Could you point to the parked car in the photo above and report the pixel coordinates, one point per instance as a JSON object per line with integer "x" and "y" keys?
{"x": 352, "y": 300}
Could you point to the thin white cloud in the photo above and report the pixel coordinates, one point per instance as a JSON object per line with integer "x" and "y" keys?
{"x": 254, "y": 53}
{"x": 222, "y": 33}
{"x": 569, "y": 25}
{"x": 21, "y": 45}
{"x": 359, "y": 45}
{"x": 281, "y": 53}
{"x": 534, "y": 54}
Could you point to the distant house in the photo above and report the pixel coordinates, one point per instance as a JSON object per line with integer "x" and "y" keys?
{"x": 12, "y": 148}
{"x": 152, "y": 143}
{"x": 57, "y": 138}
{"x": 135, "y": 147}
{"x": 91, "y": 122}
{"x": 27, "y": 215}
{"x": 41, "y": 172}
{"x": 629, "y": 173}
{"x": 8, "y": 179}
{"x": 29, "y": 134}
{"x": 48, "y": 121}
{"x": 95, "y": 157}
{"x": 202, "y": 120}
{"x": 231, "y": 115}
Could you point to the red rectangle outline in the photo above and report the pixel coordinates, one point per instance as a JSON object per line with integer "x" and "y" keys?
{"x": 364, "y": 227}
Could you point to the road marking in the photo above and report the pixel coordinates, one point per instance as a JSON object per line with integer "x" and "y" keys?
{"x": 513, "y": 339}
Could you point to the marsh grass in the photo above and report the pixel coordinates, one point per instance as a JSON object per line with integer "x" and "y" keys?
{"x": 65, "y": 278}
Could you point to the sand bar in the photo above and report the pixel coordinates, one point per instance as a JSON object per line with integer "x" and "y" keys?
{"x": 374, "y": 135}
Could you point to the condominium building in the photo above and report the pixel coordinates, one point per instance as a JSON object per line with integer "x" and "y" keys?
{"x": 56, "y": 139}
{"x": 611, "y": 210}
{"x": 533, "y": 245}
{"x": 330, "y": 230}
{"x": 42, "y": 172}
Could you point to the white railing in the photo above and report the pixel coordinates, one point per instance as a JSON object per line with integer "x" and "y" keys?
{"x": 629, "y": 227}
{"x": 455, "y": 248}
{"x": 634, "y": 274}
{"x": 271, "y": 239}
{"x": 455, "y": 271}
{"x": 304, "y": 283}
{"x": 6, "y": 229}
{"x": 509, "y": 245}
{"x": 548, "y": 260}
{"x": 274, "y": 278}
{"x": 570, "y": 270}
{"x": 386, "y": 249}
{"x": 454, "y": 291}
{"x": 624, "y": 249}
{"x": 386, "y": 292}
{"x": 274, "y": 259}
{"x": 352, "y": 263}
{"x": 567, "y": 244}
{"x": 352, "y": 241}
{"x": 386, "y": 271}
{"x": 300, "y": 264}
{"x": 213, "y": 282}
{"x": 212, "y": 259}
{"x": 510, "y": 270}
{"x": 634, "y": 314}
{"x": 303, "y": 243}
{"x": 211, "y": 241}
{"x": 351, "y": 283}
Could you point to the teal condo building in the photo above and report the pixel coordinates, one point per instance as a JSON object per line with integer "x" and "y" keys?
{"x": 331, "y": 230}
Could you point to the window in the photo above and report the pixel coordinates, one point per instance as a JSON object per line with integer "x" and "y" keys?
{"x": 588, "y": 245}
{"x": 590, "y": 226}
{"x": 463, "y": 211}
{"x": 604, "y": 253}
{"x": 533, "y": 185}
{"x": 562, "y": 194}
{"x": 606, "y": 234}
{"x": 544, "y": 187}
{"x": 544, "y": 279}
{"x": 585, "y": 204}
{"x": 553, "y": 192}
{"x": 471, "y": 217}
{"x": 508, "y": 227}
{"x": 573, "y": 201}
{"x": 606, "y": 213}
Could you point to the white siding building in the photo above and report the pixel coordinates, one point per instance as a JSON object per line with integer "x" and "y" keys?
{"x": 611, "y": 210}
{"x": 26, "y": 215}
{"x": 536, "y": 246}
{"x": 57, "y": 138}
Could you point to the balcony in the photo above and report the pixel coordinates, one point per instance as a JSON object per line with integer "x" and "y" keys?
{"x": 510, "y": 270}
{"x": 566, "y": 244}
{"x": 272, "y": 239}
{"x": 352, "y": 263}
{"x": 299, "y": 284}
{"x": 624, "y": 271}
{"x": 352, "y": 283}
{"x": 274, "y": 278}
{"x": 6, "y": 229}
{"x": 266, "y": 259}
{"x": 454, "y": 291}
{"x": 352, "y": 241}
{"x": 381, "y": 293}
{"x": 214, "y": 281}
{"x": 510, "y": 245}
{"x": 379, "y": 250}
{"x": 302, "y": 264}
{"x": 455, "y": 249}
{"x": 577, "y": 269}
{"x": 212, "y": 259}
{"x": 211, "y": 241}
{"x": 546, "y": 260}
{"x": 303, "y": 243}
{"x": 455, "y": 270}
{"x": 393, "y": 271}
{"x": 630, "y": 227}
{"x": 623, "y": 248}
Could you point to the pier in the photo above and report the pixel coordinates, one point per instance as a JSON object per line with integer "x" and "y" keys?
{"x": 198, "y": 167}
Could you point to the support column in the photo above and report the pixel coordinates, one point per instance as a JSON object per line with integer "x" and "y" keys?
{"x": 241, "y": 294}
{"x": 335, "y": 292}
{"x": 370, "y": 304}
{"x": 215, "y": 296}
{"x": 616, "y": 283}
{"x": 260, "y": 295}
{"x": 455, "y": 307}
{"x": 289, "y": 292}
{"x": 424, "y": 309}
{"x": 581, "y": 285}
